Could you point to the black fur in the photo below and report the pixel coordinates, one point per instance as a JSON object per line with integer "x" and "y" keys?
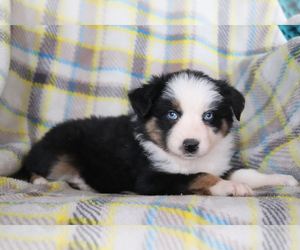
{"x": 106, "y": 152}
{"x": 105, "y": 165}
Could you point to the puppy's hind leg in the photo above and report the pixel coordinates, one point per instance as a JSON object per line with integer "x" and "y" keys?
{"x": 37, "y": 179}
{"x": 77, "y": 182}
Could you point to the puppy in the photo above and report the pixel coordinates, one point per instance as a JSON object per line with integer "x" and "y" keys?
{"x": 177, "y": 141}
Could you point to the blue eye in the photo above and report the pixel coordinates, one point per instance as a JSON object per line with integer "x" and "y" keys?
{"x": 208, "y": 117}
{"x": 172, "y": 115}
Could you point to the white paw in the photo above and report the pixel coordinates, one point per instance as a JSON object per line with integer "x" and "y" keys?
{"x": 84, "y": 187}
{"x": 40, "y": 180}
{"x": 281, "y": 179}
{"x": 77, "y": 182}
{"x": 231, "y": 188}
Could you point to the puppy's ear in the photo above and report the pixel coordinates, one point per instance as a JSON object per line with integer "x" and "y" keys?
{"x": 234, "y": 98}
{"x": 142, "y": 98}
{"x": 237, "y": 102}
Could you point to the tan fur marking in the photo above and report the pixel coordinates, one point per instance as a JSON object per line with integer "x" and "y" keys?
{"x": 154, "y": 132}
{"x": 224, "y": 128}
{"x": 63, "y": 170}
{"x": 202, "y": 184}
{"x": 176, "y": 105}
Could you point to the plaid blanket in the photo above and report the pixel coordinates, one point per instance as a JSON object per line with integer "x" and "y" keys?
{"x": 144, "y": 12}
{"x": 62, "y": 72}
{"x": 52, "y": 73}
{"x": 174, "y": 219}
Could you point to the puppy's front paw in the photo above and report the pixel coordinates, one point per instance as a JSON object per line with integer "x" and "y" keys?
{"x": 282, "y": 179}
{"x": 231, "y": 188}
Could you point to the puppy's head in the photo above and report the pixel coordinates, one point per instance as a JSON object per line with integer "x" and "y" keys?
{"x": 186, "y": 113}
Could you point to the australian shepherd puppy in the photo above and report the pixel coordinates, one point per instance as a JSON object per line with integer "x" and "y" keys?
{"x": 177, "y": 141}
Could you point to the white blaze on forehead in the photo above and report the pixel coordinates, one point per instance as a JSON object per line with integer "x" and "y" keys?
{"x": 195, "y": 96}
{"x": 192, "y": 93}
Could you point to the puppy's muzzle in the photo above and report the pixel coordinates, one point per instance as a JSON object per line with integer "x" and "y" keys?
{"x": 191, "y": 145}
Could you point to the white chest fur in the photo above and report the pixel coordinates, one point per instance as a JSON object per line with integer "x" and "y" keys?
{"x": 215, "y": 162}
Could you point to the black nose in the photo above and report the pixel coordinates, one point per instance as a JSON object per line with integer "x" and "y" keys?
{"x": 191, "y": 145}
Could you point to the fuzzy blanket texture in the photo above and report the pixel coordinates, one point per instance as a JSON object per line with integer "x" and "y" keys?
{"x": 52, "y": 73}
